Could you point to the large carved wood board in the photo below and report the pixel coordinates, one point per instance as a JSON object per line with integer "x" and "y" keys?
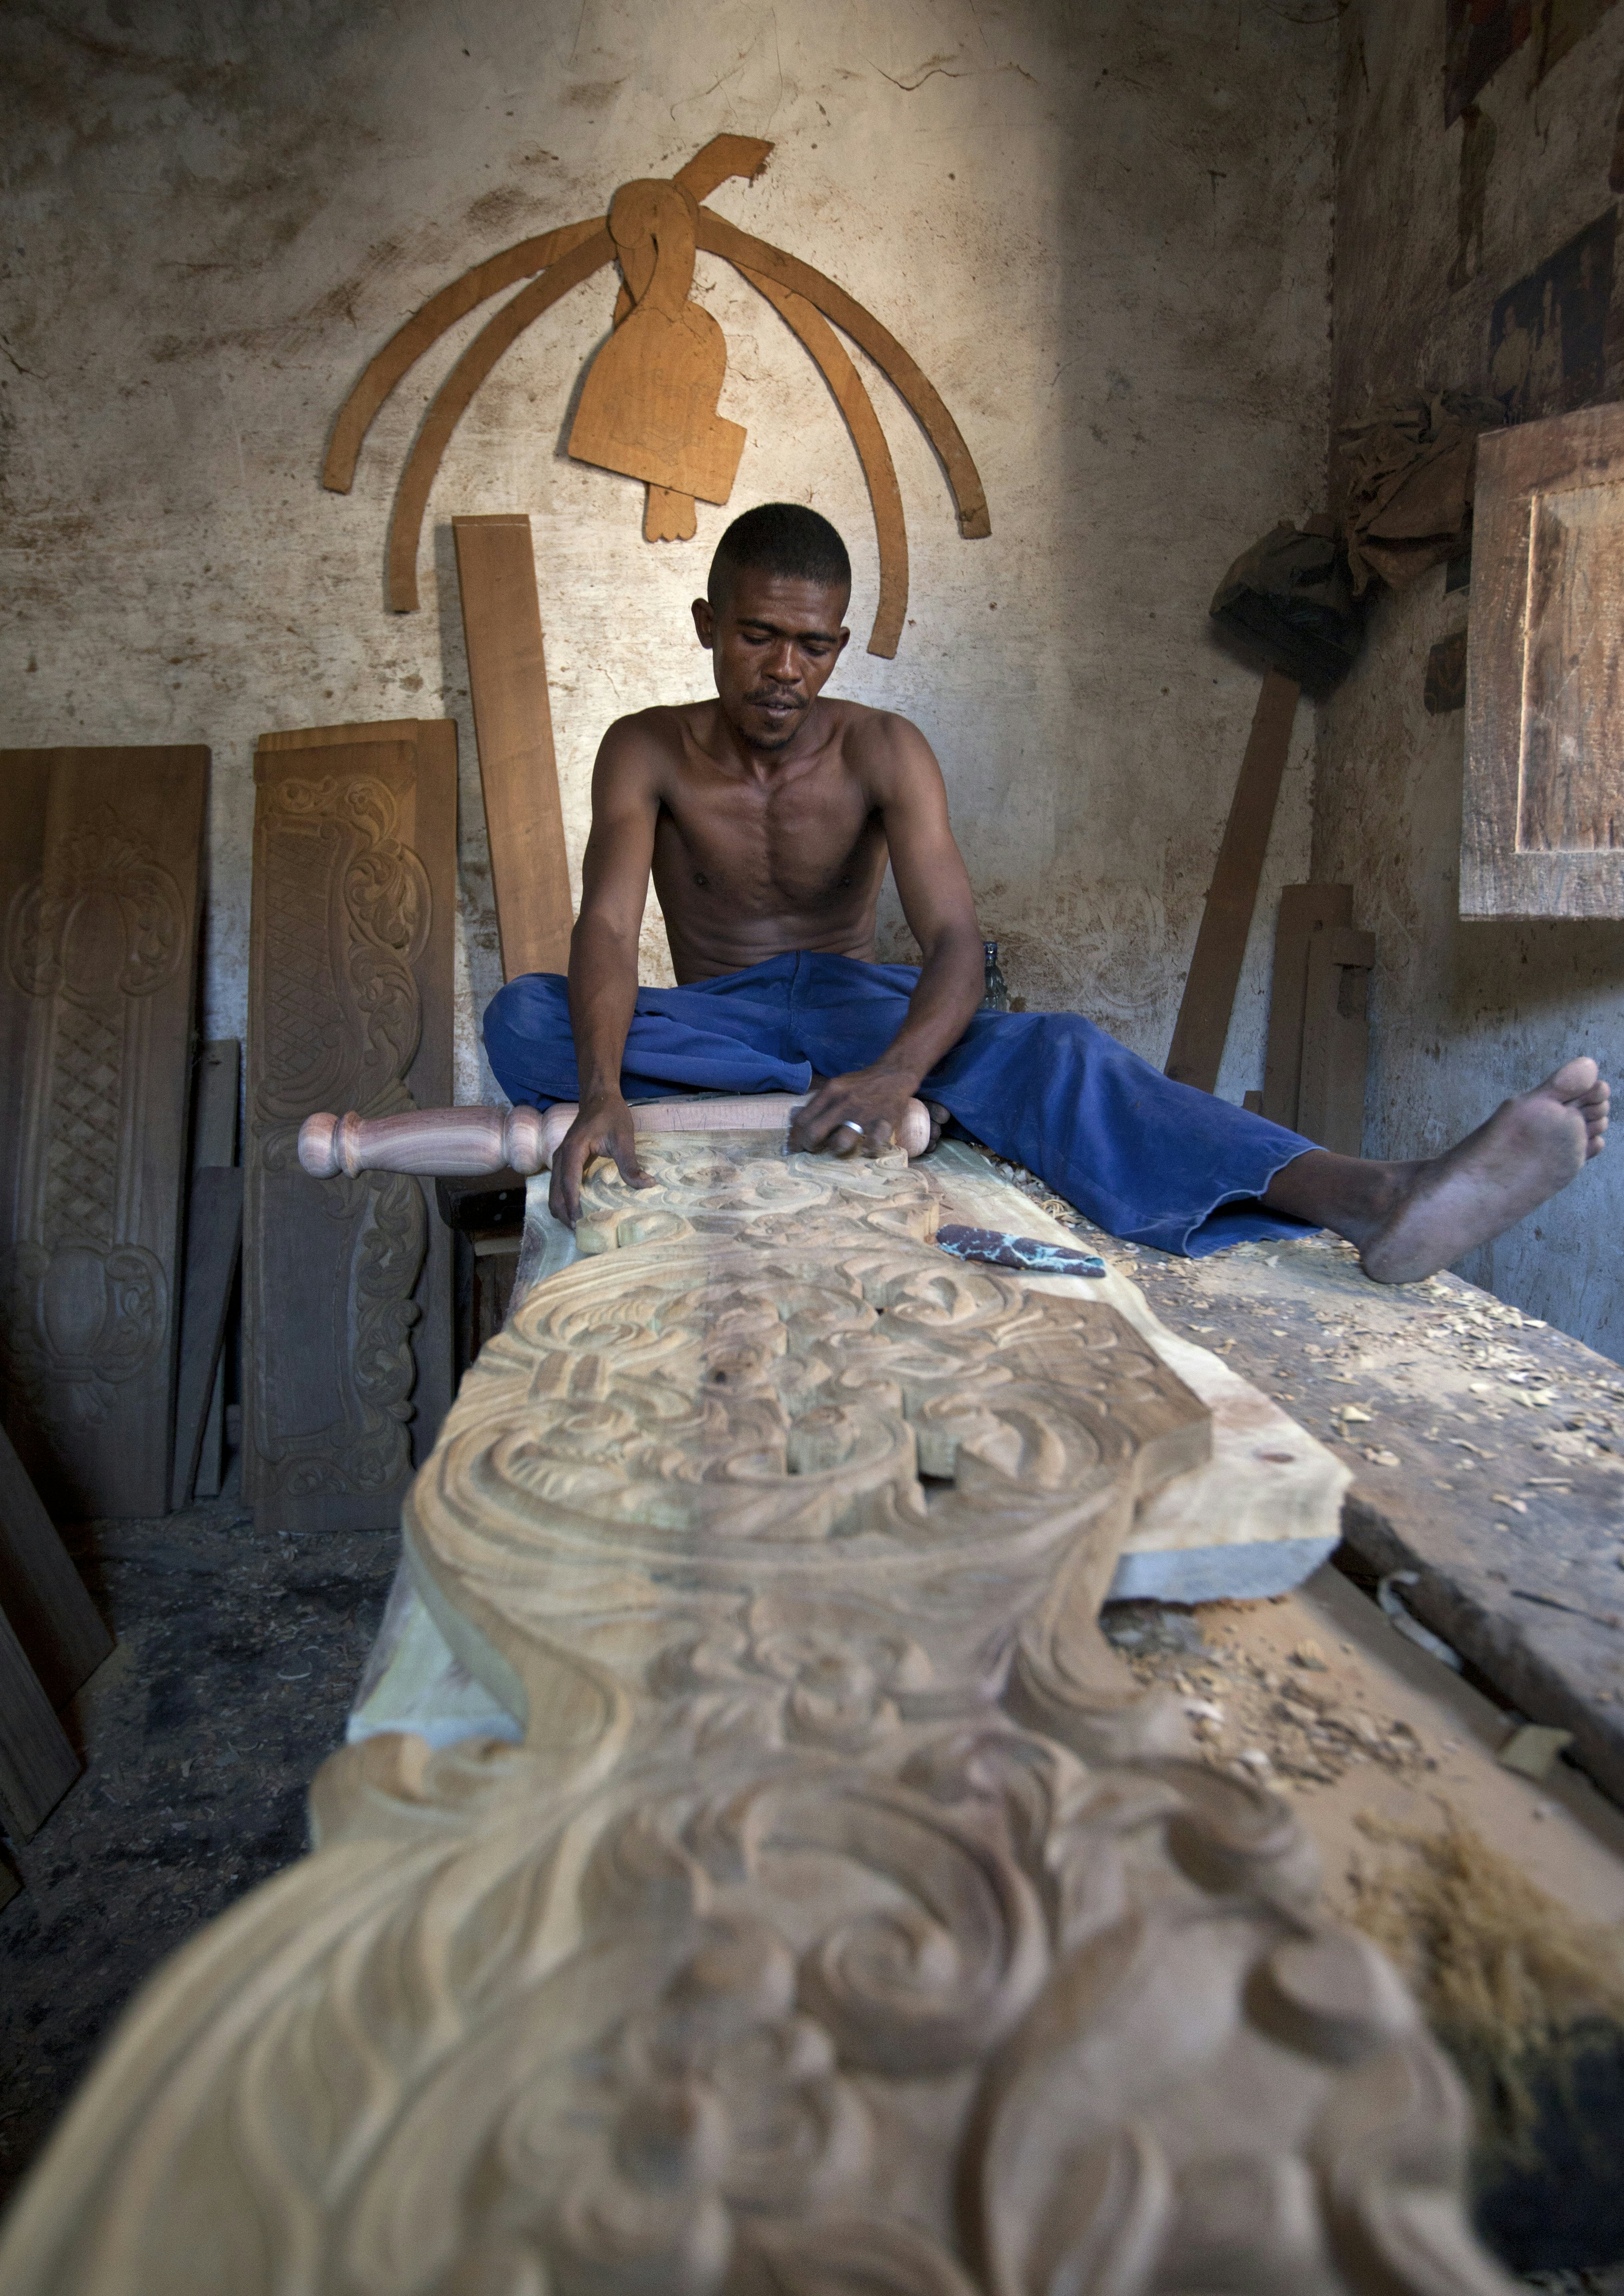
{"x": 846, "y": 1923}
{"x": 100, "y": 874}
{"x": 346, "y": 1284}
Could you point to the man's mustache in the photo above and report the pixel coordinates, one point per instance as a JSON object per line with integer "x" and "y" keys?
{"x": 775, "y": 693}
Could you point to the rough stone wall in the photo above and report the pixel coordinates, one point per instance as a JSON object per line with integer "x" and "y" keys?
{"x": 1102, "y": 229}
{"x": 1464, "y": 1013}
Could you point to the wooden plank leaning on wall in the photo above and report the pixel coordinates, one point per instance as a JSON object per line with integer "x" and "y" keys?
{"x": 1197, "y": 1050}
{"x": 347, "y": 1283}
{"x": 507, "y": 674}
{"x": 100, "y": 877}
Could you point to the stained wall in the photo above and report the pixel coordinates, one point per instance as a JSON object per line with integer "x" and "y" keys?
{"x": 1429, "y": 234}
{"x": 1103, "y": 230}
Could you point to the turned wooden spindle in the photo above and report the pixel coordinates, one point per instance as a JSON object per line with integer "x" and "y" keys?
{"x": 459, "y": 1143}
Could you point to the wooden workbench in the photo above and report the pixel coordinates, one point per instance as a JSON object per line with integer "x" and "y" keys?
{"x": 1488, "y": 1452}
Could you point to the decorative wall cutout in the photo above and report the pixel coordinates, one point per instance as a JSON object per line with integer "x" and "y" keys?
{"x": 345, "y": 1282}
{"x": 99, "y": 940}
{"x": 649, "y": 404}
{"x": 818, "y": 1937}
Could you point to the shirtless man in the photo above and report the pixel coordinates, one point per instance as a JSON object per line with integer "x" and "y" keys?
{"x": 768, "y": 817}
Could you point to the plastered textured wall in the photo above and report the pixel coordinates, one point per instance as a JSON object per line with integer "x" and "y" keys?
{"x": 1103, "y": 230}
{"x": 1464, "y": 1013}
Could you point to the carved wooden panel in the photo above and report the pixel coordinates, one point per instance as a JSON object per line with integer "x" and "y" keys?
{"x": 1543, "y": 827}
{"x": 845, "y": 1924}
{"x": 100, "y": 853}
{"x": 347, "y": 1281}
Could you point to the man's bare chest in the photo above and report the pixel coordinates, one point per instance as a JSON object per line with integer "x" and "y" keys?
{"x": 817, "y": 837}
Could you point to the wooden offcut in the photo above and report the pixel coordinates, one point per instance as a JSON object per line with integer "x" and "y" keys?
{"x": 507, "y": 674}
{"x": 100, "y": 878}
{"x": 1542, "y": 825}
{"x": 1197, "y": 1050}
{"x": 347, "y": 1283}
{"x": 1336, "y": 1039}
{"x": 1306, "y": 913}
{"x": 217, "y": 1095}
{"x": 41, "y": 1594}
{"x": 37, "y": 1763}
{"x": 214, "y": 1245}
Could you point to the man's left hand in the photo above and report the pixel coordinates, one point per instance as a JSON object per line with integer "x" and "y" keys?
{"x": 854, "y": 1115}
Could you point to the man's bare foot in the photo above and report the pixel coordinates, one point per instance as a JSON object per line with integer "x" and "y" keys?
{"x": 1529, "y": 1149}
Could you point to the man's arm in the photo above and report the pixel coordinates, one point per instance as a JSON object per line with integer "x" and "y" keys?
{"x": 604, "y": 960}
{"x": 941, "y": 910}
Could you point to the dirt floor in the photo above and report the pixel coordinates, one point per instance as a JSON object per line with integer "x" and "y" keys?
{"x": 237, "y": 1658}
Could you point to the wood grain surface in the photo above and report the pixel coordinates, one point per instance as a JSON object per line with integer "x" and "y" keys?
{"x": 100, "y": 884}
{"x": 512, "y": 719}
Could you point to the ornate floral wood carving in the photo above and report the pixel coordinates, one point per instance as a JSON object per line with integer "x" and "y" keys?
{"x": 844, "y": 1925}
{"x": 100, "y": 923}
{"x": 347, "y": 1281}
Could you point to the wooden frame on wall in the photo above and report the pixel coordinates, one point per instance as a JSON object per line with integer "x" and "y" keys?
{"x": 1542, "y": 827}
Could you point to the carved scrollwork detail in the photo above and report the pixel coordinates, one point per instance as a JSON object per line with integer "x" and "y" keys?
{"x": 78, "y": 1323}
{"x": 105, "y": 920}
{"x": 808, "y": 1945}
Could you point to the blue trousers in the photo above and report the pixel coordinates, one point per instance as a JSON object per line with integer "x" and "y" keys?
{"x": 1149, "y": 1160}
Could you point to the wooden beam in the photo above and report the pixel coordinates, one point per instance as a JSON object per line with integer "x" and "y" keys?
{"x": 1197, "y": 1049}
{"x": 507, "y": 672}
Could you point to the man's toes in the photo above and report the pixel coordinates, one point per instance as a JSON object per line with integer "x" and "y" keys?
{"x": 1574, "y": 1080}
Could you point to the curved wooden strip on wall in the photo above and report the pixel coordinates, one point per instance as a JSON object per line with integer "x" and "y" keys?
{"x": 422, "y": 465}
{"x": 718, "y": 236}
{"x": 873, "y": 453}
{"x": 424, "y": 329}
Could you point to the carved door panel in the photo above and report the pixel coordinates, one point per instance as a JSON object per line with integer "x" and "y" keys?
{"x": 347, "y": 1284}
{"x": 100, "y": 853}
{"x": 1542, "y": 832}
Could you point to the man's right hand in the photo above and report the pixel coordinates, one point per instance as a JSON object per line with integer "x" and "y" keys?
{"x": 603, "y": 1128}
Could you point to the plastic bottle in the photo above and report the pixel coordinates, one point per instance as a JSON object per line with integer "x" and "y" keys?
{"x": 996, "y": 996}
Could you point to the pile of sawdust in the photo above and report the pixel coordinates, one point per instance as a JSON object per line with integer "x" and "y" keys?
{"x": 1509, "y": 1980}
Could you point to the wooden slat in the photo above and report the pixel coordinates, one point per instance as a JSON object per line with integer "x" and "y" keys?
{"x": 1305, "y": 910}
{"x": 346, "y": 1284}
{"x": 445, "y": 410}
{"x": 508, "y": 673}
{"x": 1197, "y": 1049}
{"x": 216, "y": 1099}
{"x": 100, "y": 878}
{"x": 41, "y": 1593}
{"x": 1335, "y": 1039}
{"x": 37, "y": 1764}
{"x": 214, "y": 1244}
{"x": 891, "y": 531}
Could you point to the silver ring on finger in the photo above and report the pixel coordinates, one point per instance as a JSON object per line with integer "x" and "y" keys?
{"x": 846, "y": 1125}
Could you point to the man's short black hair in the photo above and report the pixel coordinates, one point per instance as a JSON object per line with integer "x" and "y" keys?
{"x": 779, "y": 537}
